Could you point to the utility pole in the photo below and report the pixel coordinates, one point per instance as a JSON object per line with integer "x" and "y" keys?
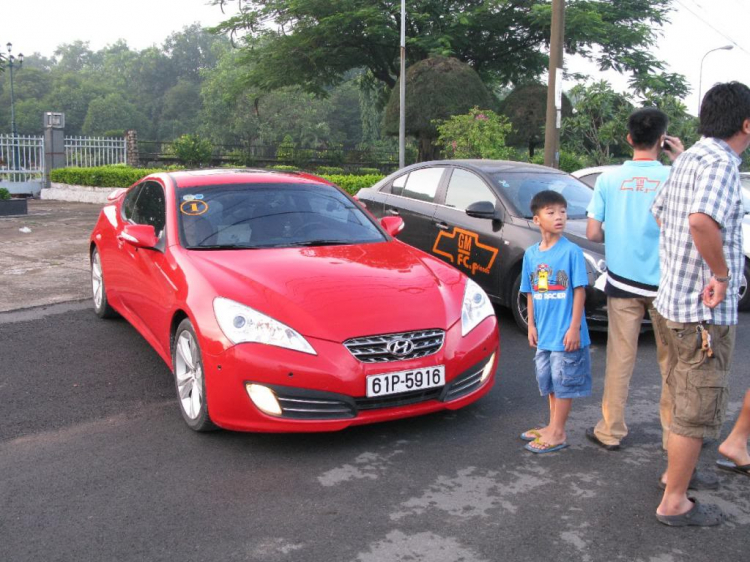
{"x": 402, "y": 92}
{"x": 554, "y": 88}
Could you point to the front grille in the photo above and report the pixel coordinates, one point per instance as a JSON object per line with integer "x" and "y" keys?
{"x": 374, "y": 349}
{"x": 395, "y": 400}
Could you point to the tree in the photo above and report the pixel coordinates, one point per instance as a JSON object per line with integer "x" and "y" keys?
{"x": 312, "y": 44}
{"x": 113, "y": 112}
{"x": 598, "y": 126}
{"x": 526, "y": 107}
{"x": 438, "y": 88}
{"x": 477, "y": 134}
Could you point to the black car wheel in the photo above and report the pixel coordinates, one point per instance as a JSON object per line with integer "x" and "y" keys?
{"x": 744, "y": 303}
{"x": 518, "y": 306}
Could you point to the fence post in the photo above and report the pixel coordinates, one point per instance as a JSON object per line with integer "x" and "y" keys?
{"x": 131, "y": 148}
{"x": 54, "y": 143}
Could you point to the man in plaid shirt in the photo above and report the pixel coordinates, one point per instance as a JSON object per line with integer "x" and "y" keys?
{"x": 700, "y": 212}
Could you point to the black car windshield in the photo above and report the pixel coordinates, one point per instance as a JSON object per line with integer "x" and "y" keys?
{"x": 520, "y": 188}
{"x": 242, "y": 216}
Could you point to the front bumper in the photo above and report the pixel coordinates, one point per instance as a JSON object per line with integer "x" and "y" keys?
{"x": 327, "y": 391}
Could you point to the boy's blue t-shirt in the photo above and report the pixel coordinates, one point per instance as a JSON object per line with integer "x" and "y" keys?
{"x": 622, "y": 201}
{"x": 551, "y": 275}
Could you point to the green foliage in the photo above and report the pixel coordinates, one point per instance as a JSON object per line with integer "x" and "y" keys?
{"x": 438, "y": 88}
{"x": 312, "y": 44}
{"x": 367, "y": 171}
{"x": 526, "y": 108}
{"x": 598, "y": 127}
{"x": 285, "y": 150}
{"x": 114, "y": 133}
{"x": 104, "y": 176}
{"x": 477, "y": 134}
{"x": 192, "y": 150}
{"x": 113, "y": 112}
{"x": 569, "y": 162}
{"x": 284, "y": 168}
{"x": 4, "y": 194}
{"x": 352, "y": 184}
{"x": 329, "y": 170}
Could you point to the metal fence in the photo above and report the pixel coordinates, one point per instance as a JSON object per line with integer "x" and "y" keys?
{"x": 21, "y": 158}
{"x": 86, "y": 152}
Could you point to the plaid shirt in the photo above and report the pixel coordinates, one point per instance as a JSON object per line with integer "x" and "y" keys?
{"x": 704, "y": 179}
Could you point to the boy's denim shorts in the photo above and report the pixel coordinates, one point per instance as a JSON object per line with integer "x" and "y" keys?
{"x": 567, "y": 374}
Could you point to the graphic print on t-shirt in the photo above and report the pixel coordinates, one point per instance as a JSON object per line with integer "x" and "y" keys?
{"x": 640, "y": 184}
{"x": 543, "y": 280}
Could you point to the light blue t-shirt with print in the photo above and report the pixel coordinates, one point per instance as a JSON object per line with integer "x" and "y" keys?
{"x": 551, "y": 275}
{"x": 622, "y": 201}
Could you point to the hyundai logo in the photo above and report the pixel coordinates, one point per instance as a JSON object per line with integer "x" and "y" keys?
{"x": 400, "y": 348}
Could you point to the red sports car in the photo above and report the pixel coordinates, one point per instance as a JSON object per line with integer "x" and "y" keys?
{"x": 280, "y": 304}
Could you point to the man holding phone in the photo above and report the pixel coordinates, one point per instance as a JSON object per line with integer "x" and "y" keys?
{"x": 622, "y": 203}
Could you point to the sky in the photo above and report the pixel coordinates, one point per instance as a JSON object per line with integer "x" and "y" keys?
{"x": 697, "y": 26}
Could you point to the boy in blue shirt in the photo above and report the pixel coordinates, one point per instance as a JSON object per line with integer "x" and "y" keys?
{"x": 553, "y": 278}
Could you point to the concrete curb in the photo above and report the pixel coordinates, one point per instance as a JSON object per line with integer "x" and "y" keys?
{"x": 77, "y": 193}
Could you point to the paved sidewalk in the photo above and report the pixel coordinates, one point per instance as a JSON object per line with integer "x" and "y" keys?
{"x": 50, "y": 264}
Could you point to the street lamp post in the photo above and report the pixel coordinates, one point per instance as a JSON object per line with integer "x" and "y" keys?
{"x": 11, "y": 64}
{"x": 700, "y": 75}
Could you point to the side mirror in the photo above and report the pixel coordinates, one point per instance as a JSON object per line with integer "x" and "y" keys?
{"x": 482, "y": 210}
{"x": 392, "y": 225}
{"x": 139, "y": 235}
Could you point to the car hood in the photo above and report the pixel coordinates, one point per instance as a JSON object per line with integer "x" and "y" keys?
{"x": 338, "y": 292}
{"x": 575, "y": 231}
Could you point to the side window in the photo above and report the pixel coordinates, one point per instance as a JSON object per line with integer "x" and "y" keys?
{"x": 466, "y": 188}
{"x": 397, "y": 187}
{"x": 423, "y": 184}
{"x": 129, "y": 203}
{"x": 150, "y": 207}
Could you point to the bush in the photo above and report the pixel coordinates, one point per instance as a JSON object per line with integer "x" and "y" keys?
{"x": 284, "y": 168}
{"x": 367, "y": 172}
{"x": 569, "y": 162}
{"x": 352, "y": 184}
{"x": 103, "y": 176}
{"x": 4, "y": 194}
{"x": 192, "y": 150}
{"x": 330, "y": 170}
{"x": 478, "y": 134}
{"x": 285, "y": 150}
{"x": 114, "y": 133}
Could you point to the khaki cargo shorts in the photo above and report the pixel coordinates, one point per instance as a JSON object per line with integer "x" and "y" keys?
{"x": 698, "y": 383}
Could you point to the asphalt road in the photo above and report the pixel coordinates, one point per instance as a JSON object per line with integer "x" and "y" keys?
{"x": 96, "y": 464}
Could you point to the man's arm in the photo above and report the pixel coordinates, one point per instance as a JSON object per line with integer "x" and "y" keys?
{"x": 594, "y": 230}
{"x": 706, "y": 235}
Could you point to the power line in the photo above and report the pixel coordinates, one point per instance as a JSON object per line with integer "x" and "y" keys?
{"x": 724, "y": 35}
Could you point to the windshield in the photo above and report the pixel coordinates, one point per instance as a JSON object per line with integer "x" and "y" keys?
{"x": 270, "y": 216}
{"x": 520, "y": 188}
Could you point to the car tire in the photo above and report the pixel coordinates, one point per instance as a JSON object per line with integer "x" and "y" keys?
{"x": 744, "y": 302}
{"x": 190, "y": 382}
{"x": 518, "y": 305}
{"x": 99, "y": 289}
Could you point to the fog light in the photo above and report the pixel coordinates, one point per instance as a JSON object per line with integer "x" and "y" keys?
{"x": 487, "y": 371}
{"x": 264, "y": 398}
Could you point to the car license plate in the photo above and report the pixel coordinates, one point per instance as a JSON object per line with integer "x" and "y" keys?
{"x": 405, "y": 381}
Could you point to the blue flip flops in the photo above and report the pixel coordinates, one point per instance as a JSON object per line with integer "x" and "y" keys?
{"x": 547, "y": 448}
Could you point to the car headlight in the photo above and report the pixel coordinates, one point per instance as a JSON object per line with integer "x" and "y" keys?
{"x": 597, "y": 264}
{"x": 241, "y": 324}
{"x": 476, "y": 307}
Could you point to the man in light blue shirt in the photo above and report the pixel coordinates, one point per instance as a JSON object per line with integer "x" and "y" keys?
{"x": 622, "y": 204}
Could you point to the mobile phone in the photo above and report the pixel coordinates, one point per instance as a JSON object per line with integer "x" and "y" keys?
{"x": 666, "y": 146}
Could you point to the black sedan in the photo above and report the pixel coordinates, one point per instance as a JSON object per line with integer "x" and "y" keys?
{"x": 475, "y": 215}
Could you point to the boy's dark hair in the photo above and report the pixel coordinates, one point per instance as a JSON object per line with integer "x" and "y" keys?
{"x": 724, "y": 109}
{"x": 646, "y": 126}
{"x": 546, "y": 198}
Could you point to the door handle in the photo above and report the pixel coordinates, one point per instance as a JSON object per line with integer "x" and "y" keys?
{"x": 393, "y": 212}
{"x": 441, "y": 225}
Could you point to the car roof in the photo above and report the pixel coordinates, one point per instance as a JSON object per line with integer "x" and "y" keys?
{"x": 225, "y": 176}
{"x": 490, "y": 166}
{"x": 593, "y": 170}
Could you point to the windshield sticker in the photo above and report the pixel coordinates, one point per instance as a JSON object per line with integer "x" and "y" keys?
{"x": 191, "y": 197}
{"x": 462, "y": 248}
{"x": 193, "y": 208}
{"x": 504, "y": 184}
